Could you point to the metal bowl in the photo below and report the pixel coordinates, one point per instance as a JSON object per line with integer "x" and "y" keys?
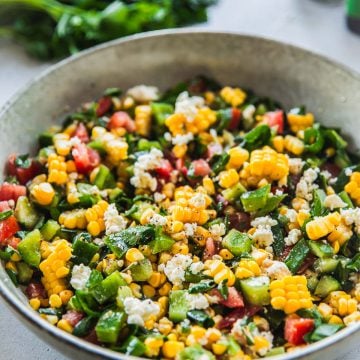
{"x": 289, "y": 74}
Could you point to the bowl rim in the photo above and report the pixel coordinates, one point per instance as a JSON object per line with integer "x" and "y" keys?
{"x": 86, "y": 347}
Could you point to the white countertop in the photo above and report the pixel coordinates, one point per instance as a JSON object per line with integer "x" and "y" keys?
{"x": 315, "y": 25}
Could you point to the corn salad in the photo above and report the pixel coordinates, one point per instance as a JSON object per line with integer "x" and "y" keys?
{"x": 209, "y": 223}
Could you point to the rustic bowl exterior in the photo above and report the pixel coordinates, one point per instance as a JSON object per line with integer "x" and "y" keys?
{"x": 286, "y": 73}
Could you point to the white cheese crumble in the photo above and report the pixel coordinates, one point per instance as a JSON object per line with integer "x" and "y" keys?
{"x": 189, "y": 229}
{"x": 326, "y": 174}
{"x": 352, "y": 217}
{"x": 196, "y": 267}
{"x": 159, "y": 197}
{"x": 306, "y": 186}
{"x": 182, "y": 139}
{"x": 295, "y": 165}
{"x": 157, "y": 220}
{"x": 334, "y": 201}
{"x": 145, "y": 162}
{"x": 275, "y": 269}
{"x": 293, "y": 237}
{"x": 249, "y": 112}
{"x": 263, "y": 235}
{"x": 114, "y": 222}
{"x": 79, "y": 276}
{"x": 198, "y": 200}
{"x": 144, "y": 93}
{"x": 188, "y": 105}
{"x": 197, "y": 301}
{"x": 139, "y": 311}
{"x": 175, "y": 268}
{"x": 217, "y": 230}
{"x": 75, "y": 141}
{"x": 291, "y": 215}
{"x": 348, "y": 172}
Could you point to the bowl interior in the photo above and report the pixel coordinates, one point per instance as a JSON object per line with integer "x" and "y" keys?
{"x": 288, "y": 74}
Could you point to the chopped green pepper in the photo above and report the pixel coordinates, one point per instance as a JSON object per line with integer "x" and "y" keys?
{"x": 29, "y": 248}
{"x": 256, "y": 290}
{"x": 297, "y": 255}
{"x": 255, "y": 200}
{"x": 237, "y": 242}
{"x": 109, "y": 325}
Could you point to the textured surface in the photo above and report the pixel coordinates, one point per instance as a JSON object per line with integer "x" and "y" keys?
{"x": 313, "y": 25}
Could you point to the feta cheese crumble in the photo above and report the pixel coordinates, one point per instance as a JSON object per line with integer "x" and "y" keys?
{"x": 79, "y": 276}
{"x": 293, "y": 237}
{"x": 197, "y": 301}
{"x": 295, "y": 165}
{"x": 188, "y": 105}
{"x": 189, "y": 229}
{"x": 157, "y": 220}
{"x": 139, "y": 311}
{"x": 146, "y": 162}
{"x": 175, "y": 268}
{"x": 144, "y": 93}
{"x": 114, "y": 222}
{"x": 263, "y": 235}
{"x": 348, "y": 172}
{"x": 159, "y": 197}
{"x": 198, "y": 201}
{"x": 291, "y": 215}
{"x": 334, "y": 201}
{"x": 217, "y": 230}
{"x": 196, "y": 267}
{"x": 182, "y": 139}
{"x": 352, "y": 217}
{"x": 306, "y": 186}
{"x": 275, "y": 269}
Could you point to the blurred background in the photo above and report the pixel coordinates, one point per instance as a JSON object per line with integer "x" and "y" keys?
{"x": 36, "y": 33}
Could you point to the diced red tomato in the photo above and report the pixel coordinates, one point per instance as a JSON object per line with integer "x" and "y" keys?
{"x": 180, "y": 165}
{"x": 296, "y": 328}
{"x": 8, "y": 228}
{"x": 201, "y": 168}
{"x": 11, "y": 191}
{"x": 86, "y": 159}
{"x": 82, "y": 133}
{"x": 104, "y": 106}
{"x": 13, "y": 242}
{"x": 234, "y": 299}
{"x": 210, "y": 249}
{"x": 35, "y": 290}
{"x": 165, "y": 169}
{"x": 235, "y": 119}
{"x": 4, "y": 206}
{"x": 121, "y": 119}
{"x": 275, "y": 119}
{"x": 23, "y": 175}
{"x": 73, "y": 317}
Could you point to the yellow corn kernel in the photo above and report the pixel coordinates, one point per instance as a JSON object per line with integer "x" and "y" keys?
{"x": 65, "y": 296}
{"x": 334, "y": 319}
{"x": 228, "y": 178}
{"x": 57, "y": 169}
{"x": 11, "y": 266}
{"x": 165, "y": 289}
{"x": 325, "y": 310}
{"x": 143, "y": 119}
{"x": 55, "y": 301}
{"x": 208, "y": 185}
{"x": 237, "y": 158}
{"x": 213, "y": 335}
{"x": 293, "y": 145}
{"x": 247, "y": 268}
{"x": 219, "y": 348}
{"x": 171, "y": 348}
{"x": 300, "y": 122}
{"x": 134, "y": 255}
{"x": 148, "y": 291}
{"x": 179, "y": 150}
{"x": 15, "y": 257}
{"x": 65, "y": 325}
{"x": 35, "y": 303}
{"x": 233, "y": 96}
{"x": 226, "y": 254}
{"x": 322, "y": 226}
{"x": 155, "y": 279}
{"x": 352, "y": 318}
{"x": 43, "y": 193}
{"x": 153, "y": 346}
{"x": 180, "y": 248}
{"x": 278, "y": 143}
{"x": 353, "y": 187}
{"x": 136, "y": 290}
{"x": 62, "y": 144}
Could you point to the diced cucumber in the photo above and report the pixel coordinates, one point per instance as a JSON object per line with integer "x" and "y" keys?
{"x": 178, "y": 305}
{"x": 256, "y": 290}
{"x": 162, "y": 242}
{"x": 108, "y": 288}
{"x": 109, "y": 325}
{"x": 29, "y": 248}
{"x": 25, "y": 213}
{"x": 25, "y": 272}
{"x": 142, "y": 270}
{"x": 312, "y": 282}
{"x": 233, "y": 193}
{"x": 320, "y": 249}
{"x": 297, "y": 255}
{"x": 326, "y": 285}
{"x": 327, "y": 265}
{"x": 237, "y": 242}
{"x": 133, "y": 346}
{"x": 49, "y": 229}
{"x": 104, "y": 178}
{"x": 123, "y": 293}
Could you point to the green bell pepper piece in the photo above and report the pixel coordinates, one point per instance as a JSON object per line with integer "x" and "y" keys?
{"x": 297, "y": 255}
{"x": 29, "y": 248}
{"x": 201, "y": 318}
{"x": 133, "y": 346}
{"x": 25, "y": 272}
{"x": 83, "y": 251}
{"x": 314, "y": 139}
{"x": 49, "y": 229}
{"x": 162, "y": 242}
{"x": 109, "y": 325}
{"x": 123, "y": 293}
{"x": 147, "y": 145}
{"x": 108, "y": 288}
{"x": 237, "y": 242}
{"x": 104, "y": 179}
{"x": 195, "y": 352}
{"x": 142, "y": 270}
{"x": 255, "y": 200}
{"x": 233, "y": 193}
{"x": 178, "y": 305}
{"x": 257, "y": 137}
